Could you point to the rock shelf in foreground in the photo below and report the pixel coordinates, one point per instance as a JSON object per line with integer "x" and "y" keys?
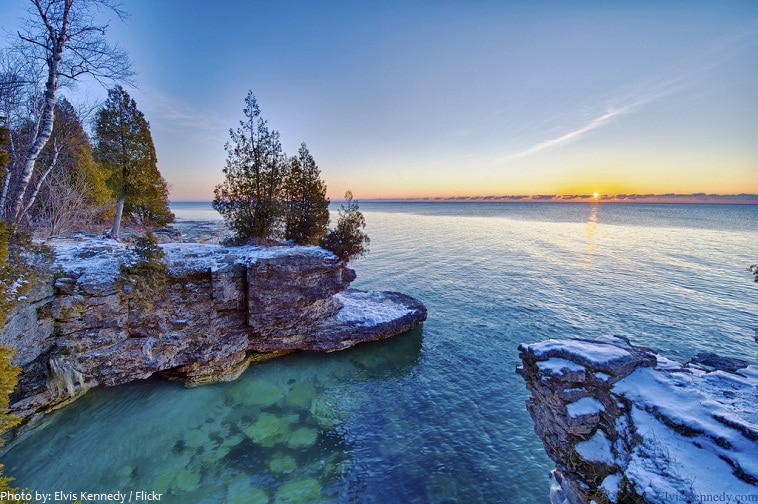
{"x": 223, "y": 308}
{"x": 623, "y": 424}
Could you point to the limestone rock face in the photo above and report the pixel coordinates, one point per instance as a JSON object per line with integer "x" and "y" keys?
{"x": 222, "y": 309}
{"x": 623, "y": 424}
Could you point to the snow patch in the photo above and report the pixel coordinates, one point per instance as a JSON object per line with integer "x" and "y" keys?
{"x": 602, "y": 376}
{"x": 557, "y": 366}
{"x": 367, "y": 309}
{"x": 595, "y": 353}
{"x": 584, "y": 406}
{"x": 596, "y": 449}
{"x": 90, "y": 260}
{"x": 704, "y": 419}
{"x": 99, "y": 260}
{"x": 610, "y": 486}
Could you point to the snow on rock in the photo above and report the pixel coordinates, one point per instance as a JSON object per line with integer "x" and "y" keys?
{"x": 634, "y": 425}
{"x": 584, "y": 407}
{"x": 559, "y": 367}
{"x": 597, "y": 448}
{"x": 599, "y": 355}
{"x": 366, "y": 309}
{"x": 99, "y": 259}
{"x": 91, "y": 260}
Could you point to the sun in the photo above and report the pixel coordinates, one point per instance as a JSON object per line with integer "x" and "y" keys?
{"x": 595, "y": 195}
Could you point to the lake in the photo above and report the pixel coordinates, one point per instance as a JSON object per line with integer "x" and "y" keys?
{"x": 435, "y": 415}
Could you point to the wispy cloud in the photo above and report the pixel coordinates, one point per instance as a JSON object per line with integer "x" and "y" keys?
{"x": 614, "y": 108}
{"x": 195, "y": 123}
{"x": 680, "y": 75}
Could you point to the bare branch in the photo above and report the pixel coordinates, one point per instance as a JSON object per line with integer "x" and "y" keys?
{"x": 64, "y": 36}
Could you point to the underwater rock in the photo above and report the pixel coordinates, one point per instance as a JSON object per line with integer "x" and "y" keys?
{"x": 262, "y": 393}
{"x": 282, "y": 464}
{"x": 299, "y": 492}
{"x": 301, "y": 395}
{"x": 302, "y": 438}
{"x": 268, "y": 430}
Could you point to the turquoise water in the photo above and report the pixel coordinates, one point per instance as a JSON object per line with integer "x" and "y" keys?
{"x": 435, "y": 415}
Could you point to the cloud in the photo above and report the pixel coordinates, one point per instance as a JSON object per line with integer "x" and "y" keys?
{"x": 195, "y": 124}
{"x": 621, "y": 106}
{"x": 676, "y": 77}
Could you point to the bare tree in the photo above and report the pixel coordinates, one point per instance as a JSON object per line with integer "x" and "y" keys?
{"x": 65, "y": 204}
{"x": 66, "y": 37}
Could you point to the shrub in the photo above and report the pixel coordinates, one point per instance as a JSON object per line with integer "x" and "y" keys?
{"x": 348, "y": 241}
{"x": 148, "y": 275}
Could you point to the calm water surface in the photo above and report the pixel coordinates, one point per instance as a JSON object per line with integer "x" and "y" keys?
{"x": 435, "y": 415}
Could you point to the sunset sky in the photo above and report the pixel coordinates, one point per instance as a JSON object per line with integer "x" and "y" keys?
{"x": 414, "y": 99}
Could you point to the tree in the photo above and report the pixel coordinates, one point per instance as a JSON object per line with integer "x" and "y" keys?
{"x": 124, "y": 147}
{"x": 249, "y": 199}
{"x": 348, "y": 241}
{"x": 307, "y": 207}
{"x": 62, "y": 36}
{"x": 72, "y": 189}
{"x": 4, "y": 158}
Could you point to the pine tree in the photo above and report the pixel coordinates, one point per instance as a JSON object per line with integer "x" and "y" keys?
{"x": 125, "y": 149}
{"x": 307, "y": 214}
{"x": 249, "y": 199}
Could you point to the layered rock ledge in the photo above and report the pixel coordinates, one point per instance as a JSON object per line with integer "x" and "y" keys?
{"x": 624, "y": 424}
{"x": 222, "y": 309}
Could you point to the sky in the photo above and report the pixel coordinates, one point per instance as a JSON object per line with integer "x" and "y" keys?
{"x": 409, "y": 99}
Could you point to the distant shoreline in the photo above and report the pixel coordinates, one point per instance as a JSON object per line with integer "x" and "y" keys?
{"x": 735, "y": 199}
{"x": 698, "y": 198}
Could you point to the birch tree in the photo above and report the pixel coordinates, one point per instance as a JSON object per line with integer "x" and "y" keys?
{"x": 64, "y": 37}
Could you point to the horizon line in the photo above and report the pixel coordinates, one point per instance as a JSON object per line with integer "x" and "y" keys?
{"x": 735, "y": 199}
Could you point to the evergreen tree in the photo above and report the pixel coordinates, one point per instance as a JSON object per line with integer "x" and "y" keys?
{"x": 307, "y": 207}
{"x": 249, "y": 199}
{"x": 348, "y": 241}
{"x": 125, "y": 149}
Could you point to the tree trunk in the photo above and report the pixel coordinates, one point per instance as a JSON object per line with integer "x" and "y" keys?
{"x": 117, "y": 219}
{"x": 33, "y": 198}
{"x": 51, "y": 86}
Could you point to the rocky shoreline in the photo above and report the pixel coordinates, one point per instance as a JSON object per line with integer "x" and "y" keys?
{"x": 624, "y": 424}
{"x": 222, "y": 309}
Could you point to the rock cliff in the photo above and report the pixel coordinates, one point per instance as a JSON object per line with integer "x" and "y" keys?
{"x": 623, "y": 424}
{"x": 221, "y": 309}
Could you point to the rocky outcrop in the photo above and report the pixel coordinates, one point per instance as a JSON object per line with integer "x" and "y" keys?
{"x": 623, "y": 424}
{"x": 221, "y": 309}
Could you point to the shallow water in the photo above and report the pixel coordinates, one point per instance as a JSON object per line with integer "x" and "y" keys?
{"x": 435, "y": 415}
